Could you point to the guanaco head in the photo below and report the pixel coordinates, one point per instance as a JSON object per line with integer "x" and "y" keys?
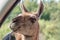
{"x": 26, "y": 19}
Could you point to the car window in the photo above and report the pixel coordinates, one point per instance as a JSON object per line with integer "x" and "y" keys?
{"x": 2, "y": 3}
{"x": 6, "y": 7}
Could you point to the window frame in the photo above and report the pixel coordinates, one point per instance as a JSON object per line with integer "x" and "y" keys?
{"x": 5, "y": 12}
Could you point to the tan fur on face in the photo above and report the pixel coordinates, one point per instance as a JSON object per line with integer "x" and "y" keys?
{"x": 26, "y": 27}
{"x": 19, "y": 36}
{"x": 26, "y": 24}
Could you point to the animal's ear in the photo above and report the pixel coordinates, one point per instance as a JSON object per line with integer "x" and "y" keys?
{"x": 23, "y": 8}
{"x": 40, "y": 9}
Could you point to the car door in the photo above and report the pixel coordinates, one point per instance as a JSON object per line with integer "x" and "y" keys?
{"x": 5, "y": 8}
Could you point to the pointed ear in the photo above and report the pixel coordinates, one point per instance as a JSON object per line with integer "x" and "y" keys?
{"x": 40, "y": 10}
{"x": 23, "y": 8}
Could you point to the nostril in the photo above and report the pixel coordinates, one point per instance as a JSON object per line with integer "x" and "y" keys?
{"x": 14, "y": 20}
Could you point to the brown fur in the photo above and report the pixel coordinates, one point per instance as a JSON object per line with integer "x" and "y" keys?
{"x": 26, "y": 24}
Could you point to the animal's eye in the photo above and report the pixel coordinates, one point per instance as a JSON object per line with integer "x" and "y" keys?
{"x": 32, "y": 20}
{"x": 17, "y": 19}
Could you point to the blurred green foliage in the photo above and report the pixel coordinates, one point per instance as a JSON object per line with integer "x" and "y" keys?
{"x": 49, "y": 21}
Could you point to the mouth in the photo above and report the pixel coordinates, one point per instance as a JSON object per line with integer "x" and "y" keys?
{"x": 19, "y": 26}
{"x": 13, "y": 27}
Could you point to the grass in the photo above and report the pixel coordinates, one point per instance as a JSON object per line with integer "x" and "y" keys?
{"x": 4, "y": 30}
